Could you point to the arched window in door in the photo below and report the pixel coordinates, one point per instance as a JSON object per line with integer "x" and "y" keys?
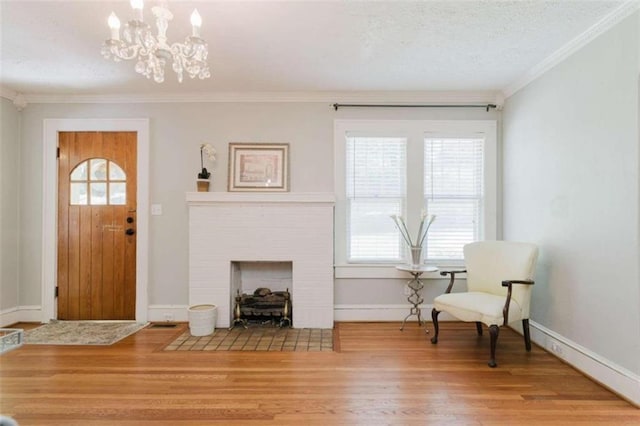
{"x": 98, "y": 182}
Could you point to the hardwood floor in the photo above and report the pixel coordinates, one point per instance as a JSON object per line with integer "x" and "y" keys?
{"x": 378, "y": 375}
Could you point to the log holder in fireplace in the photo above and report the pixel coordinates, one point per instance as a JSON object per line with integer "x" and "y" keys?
{"x": 264, "y": 307}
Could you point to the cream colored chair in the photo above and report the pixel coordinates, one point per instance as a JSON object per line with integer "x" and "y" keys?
{"x": 499, "y": 280}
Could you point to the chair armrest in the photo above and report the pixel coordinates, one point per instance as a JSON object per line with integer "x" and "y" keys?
{"x": 509, "y": 283}
{"x": 453, "y": 277}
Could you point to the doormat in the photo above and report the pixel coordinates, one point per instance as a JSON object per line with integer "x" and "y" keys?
{"x": 81, "y": 332}
{"x": 268, "y": 339}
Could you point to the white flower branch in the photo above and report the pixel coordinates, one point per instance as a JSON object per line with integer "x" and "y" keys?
{"x": 425, "y": 223}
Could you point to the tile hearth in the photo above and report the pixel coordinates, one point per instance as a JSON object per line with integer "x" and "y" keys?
{"x": 268, "y": 339}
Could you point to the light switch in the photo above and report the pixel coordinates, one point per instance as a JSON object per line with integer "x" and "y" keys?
{"x": 156, "y": 209}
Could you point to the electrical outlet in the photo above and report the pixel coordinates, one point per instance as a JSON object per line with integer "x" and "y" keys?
{"x": 556, "y": 348}
{"x": 407, "y": 290}
{"x": 168, "y": 317}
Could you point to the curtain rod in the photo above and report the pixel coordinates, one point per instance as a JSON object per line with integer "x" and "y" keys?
{"x": 486, "y": 106}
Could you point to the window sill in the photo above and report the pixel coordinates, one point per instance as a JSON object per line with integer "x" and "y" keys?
{"x": 377, "y": 271}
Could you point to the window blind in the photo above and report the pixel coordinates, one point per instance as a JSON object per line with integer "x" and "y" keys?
{"x": 454, "y": 192}
{"x": 375, "y": 190}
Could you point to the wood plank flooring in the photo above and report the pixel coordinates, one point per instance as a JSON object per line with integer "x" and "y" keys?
{"x": 377, "y": 375}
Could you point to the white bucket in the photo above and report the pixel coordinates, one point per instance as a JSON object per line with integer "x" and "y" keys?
{"x": 202, "y": 319}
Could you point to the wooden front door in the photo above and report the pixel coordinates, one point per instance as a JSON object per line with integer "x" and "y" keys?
{"x": 97, "y": 225}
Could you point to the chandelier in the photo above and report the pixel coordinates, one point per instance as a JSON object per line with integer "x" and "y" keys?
{"x": 153, "y": 53}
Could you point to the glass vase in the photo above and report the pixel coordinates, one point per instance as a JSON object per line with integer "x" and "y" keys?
{"x": 416, "y": 255}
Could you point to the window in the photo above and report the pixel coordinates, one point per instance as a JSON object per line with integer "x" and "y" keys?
{"x": 404, "y": 166}
{"x": 375, "y": 189}
{"x": 454, "y": 192}
{"x": 96, "y": 182}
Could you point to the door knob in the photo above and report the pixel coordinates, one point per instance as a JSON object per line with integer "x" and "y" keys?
{"x": 129, "y": 219}
{"x": 129, "y": 231}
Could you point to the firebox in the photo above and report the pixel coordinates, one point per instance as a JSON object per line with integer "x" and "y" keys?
{"x": 264, "y": 307}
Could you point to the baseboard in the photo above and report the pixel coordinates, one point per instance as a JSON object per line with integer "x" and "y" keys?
{"x": 382, "y": 313}
{"x": 160, "y": 313}
{"x": 33, "y": 313}
{"x": 618, "y": 379}
{"x": 16, "y": 314}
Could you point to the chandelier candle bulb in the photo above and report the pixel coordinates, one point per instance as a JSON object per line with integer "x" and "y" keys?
{"x": 114, "y": 24}
{"x": 196, "y": 23}
{"x": 137, "y": 6}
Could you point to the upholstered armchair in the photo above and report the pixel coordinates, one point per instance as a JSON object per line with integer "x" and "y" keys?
{"x": 499, "y": 280}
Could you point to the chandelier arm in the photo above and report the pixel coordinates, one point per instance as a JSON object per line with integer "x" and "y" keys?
{"x": 190, "y": 57}
{"x": 119, "y": 50}
{"x": 192, "y": 46}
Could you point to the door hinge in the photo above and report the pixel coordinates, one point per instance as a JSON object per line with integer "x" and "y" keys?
{"x": 57, "y": 152}
{"x": 56, "y": 292}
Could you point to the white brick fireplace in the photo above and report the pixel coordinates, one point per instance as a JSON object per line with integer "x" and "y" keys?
{"x": 227, "y": 227}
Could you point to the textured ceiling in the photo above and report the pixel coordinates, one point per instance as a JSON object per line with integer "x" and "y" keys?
{"x": 53, "y": 47}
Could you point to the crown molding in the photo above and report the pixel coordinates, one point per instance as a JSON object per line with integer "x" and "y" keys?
{"x": 7, "y": 93}
{"x": 18, "y": 99}
{"x": 448, "y": 97}
{"x": 606, "y": 23}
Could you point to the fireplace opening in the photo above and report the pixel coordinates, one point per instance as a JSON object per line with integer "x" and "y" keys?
{"x": 260, "y": 293}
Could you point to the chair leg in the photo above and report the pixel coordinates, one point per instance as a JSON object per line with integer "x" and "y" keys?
{"x": 527, "y": 336}
{"x": 436, "y": 328}
{"x": 479, "y": 328}
{"x": 494, "y": 330}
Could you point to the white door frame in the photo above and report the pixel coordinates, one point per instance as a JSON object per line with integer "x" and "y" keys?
{"x": 51, "y": 128}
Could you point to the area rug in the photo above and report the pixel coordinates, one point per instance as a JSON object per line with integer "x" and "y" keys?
{"x": 257, "y": 339}
{"x": 81, "y": 332}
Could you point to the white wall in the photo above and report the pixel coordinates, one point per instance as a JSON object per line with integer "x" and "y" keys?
{"x": 176, "y": 133}
{"x": 9, "y": 189}
{"x": 571, "y": 184}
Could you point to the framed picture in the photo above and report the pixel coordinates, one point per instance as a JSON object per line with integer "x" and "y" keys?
{"x": 259, "y": 167}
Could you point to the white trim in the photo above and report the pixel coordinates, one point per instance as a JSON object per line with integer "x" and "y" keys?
{"x": 51, "y": 128}
{"x": 604, "y": 371}
{"x": 600, "y": 27}
{"x": 27, "y": 313}
{"x": 383, "y": 313}
{"x": 377, "y": 312}
{"x": 7, "y": 93}
{"x": 198, "y": 198}
{"x": 439, "y": 97}
{"x": 179, "y": 313}
{"x": 18, "y": 99}
{"x": 341, "y": 313}
{"x": 9, "y": 316}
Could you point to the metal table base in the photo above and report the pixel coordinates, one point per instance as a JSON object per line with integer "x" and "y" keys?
{"x": 416, "y": 286}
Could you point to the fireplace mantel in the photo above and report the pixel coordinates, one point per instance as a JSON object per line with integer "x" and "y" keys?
{"x": 295, "y": 227}
{"x": 200, "y": 198}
